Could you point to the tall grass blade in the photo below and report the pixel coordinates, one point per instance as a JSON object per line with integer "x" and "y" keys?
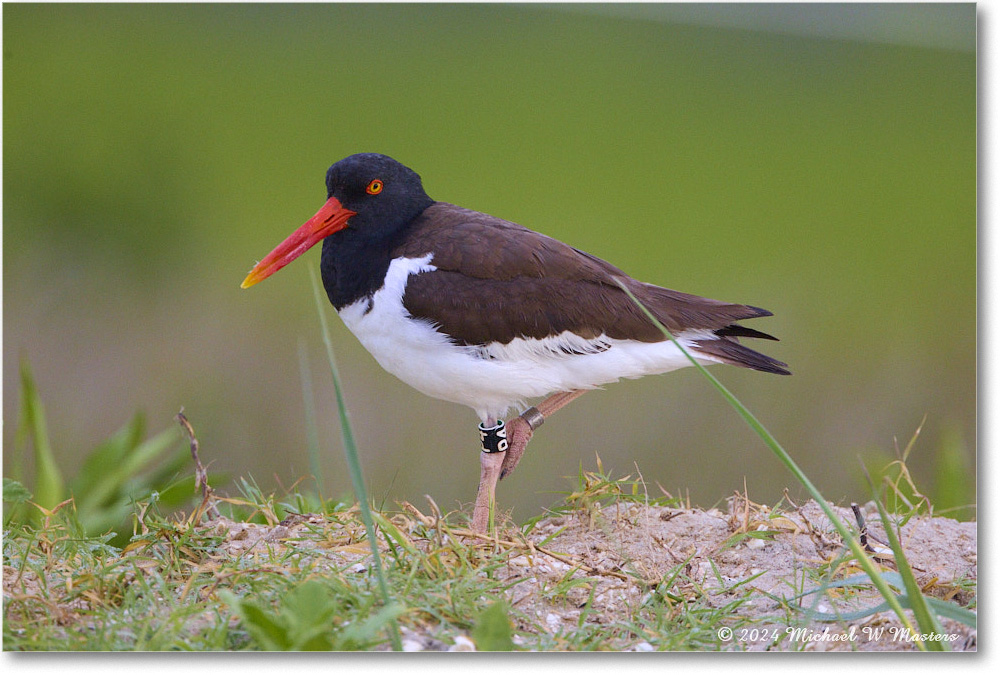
{"x": 925, "y": 619}
{"x": 354, "y": 464}
{"x": 49, "y": 487}
{"x": 948, "y": 610}
{"x": 849, "y": 539}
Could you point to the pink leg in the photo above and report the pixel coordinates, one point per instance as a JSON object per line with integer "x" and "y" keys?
{"x": 489, "y": 474}
{"x": 496, "y": 465}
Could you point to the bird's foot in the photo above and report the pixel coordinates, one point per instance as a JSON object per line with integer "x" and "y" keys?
{"x": 519, "y": 432}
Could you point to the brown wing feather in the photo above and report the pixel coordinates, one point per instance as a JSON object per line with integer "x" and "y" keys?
{"x": 496, "y": 281}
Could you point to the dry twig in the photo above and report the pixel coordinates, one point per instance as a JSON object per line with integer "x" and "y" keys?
{"x": 200, "y": 474}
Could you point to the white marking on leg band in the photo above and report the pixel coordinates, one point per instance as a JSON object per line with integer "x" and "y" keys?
{"x": 493, "y": 439}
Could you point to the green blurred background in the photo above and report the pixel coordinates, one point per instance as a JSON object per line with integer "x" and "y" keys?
{"x": 822, "y": 165}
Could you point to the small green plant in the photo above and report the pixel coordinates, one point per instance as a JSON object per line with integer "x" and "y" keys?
{"x": 492, "y": 632}
{"x": 954, "y": 487}
{"x": 15, "y": 497}
{"x": 310, "y": 618}
{"x": 595, "y": 490}
{"x": 125, "y": 468}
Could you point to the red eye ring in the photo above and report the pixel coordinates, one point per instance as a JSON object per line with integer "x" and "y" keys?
{"x": 374, "y": 187}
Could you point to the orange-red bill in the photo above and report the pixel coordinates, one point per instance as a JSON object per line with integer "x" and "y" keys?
{"x": 329, "y": 219}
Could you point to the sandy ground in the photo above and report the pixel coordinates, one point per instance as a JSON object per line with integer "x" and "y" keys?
{"x": 624, "y": 551}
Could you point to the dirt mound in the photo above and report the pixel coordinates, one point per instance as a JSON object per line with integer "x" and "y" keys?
{"x": 761, "y": 579}
{"x": 770, "y": 560}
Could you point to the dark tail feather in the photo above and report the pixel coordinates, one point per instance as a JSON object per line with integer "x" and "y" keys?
{"x": 736, "y": 354}
{"x": 736, "y": 330}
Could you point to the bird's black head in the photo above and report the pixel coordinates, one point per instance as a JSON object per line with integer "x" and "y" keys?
{"x": 383, "y": 197}
{"x": 384, "y": 193}
{"x": 370, "y": 200}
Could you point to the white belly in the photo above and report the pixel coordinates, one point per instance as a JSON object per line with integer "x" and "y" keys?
{"x": 495, "y": 378}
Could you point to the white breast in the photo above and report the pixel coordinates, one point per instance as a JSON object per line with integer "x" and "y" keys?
{"x": 496, "y": 377}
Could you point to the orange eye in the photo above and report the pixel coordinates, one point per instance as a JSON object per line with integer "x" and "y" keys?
{"x": 374, "y": 187}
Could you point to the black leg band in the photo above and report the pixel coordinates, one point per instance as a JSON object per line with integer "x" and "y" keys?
{"x": 494, "y": 439}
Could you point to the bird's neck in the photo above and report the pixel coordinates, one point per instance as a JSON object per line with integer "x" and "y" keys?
{"x": 355, "y": 260}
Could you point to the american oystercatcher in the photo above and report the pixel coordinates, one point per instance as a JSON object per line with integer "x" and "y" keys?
{"x": 473, "y": 309}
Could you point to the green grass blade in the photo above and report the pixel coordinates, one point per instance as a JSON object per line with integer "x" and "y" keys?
{"x": 115, "y": 477}
{"x": 948, "y": 610}
{"x": 92, "y": 478}
{"x": 925, "y": 619}
{"x": 49, "y": 487}
{"x": 354, "y": 464}
{"x": 866, "y": 563}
